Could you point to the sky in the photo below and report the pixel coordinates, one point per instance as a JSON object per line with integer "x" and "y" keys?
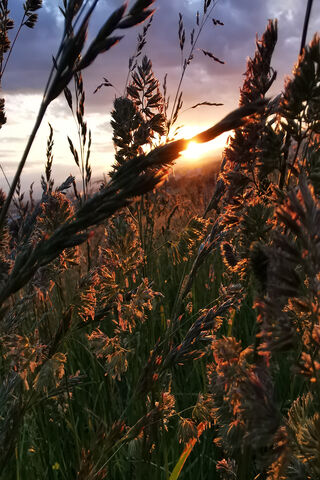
{"x": 205, "y": 80}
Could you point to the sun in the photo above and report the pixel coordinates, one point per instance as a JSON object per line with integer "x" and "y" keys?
{"x": 197, "y": 151}
{"x": 193, "y": 151}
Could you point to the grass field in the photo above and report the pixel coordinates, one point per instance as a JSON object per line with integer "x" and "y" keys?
{"x": 158, "y": 328}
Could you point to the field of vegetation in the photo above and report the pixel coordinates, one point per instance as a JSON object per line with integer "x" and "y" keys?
{"x": 153, "y": 331}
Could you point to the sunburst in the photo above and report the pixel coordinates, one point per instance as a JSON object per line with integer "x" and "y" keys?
{"x": 196, "y": 151}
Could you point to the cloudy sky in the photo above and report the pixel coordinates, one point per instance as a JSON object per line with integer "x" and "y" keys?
{"x": 205, "y": 80}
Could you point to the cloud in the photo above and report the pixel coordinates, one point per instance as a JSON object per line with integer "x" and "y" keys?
{"x": 234, "y": 42}
{"x": 204, "y": 80}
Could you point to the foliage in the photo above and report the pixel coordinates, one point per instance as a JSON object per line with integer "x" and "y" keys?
{"x": 141, "y": 336}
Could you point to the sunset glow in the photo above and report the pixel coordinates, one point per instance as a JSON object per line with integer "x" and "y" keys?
{"x": 195, "y": 150}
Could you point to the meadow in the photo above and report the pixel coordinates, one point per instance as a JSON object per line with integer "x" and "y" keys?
{"x": 156, "y": 330}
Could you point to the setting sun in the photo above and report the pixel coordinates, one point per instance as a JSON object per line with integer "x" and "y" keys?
{"x": 193, "y": 151}
{"x": 196, "y": 151}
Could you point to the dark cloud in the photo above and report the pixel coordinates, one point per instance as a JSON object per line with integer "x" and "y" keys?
{"x": 32, "y": 56}
{"x": 31, "y": 60}
{"x": 205, "y": 80}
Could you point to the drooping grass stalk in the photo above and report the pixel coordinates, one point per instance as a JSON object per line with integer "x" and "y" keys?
{"x": 135, "y": 177}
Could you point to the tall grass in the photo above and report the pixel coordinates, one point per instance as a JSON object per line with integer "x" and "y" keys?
{"x": 143, "y": 335}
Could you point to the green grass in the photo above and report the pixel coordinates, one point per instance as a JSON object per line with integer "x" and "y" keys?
{"x": 113, "y": 364}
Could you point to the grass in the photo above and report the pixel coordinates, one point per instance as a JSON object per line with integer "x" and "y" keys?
{"x": 141, "y": 337}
